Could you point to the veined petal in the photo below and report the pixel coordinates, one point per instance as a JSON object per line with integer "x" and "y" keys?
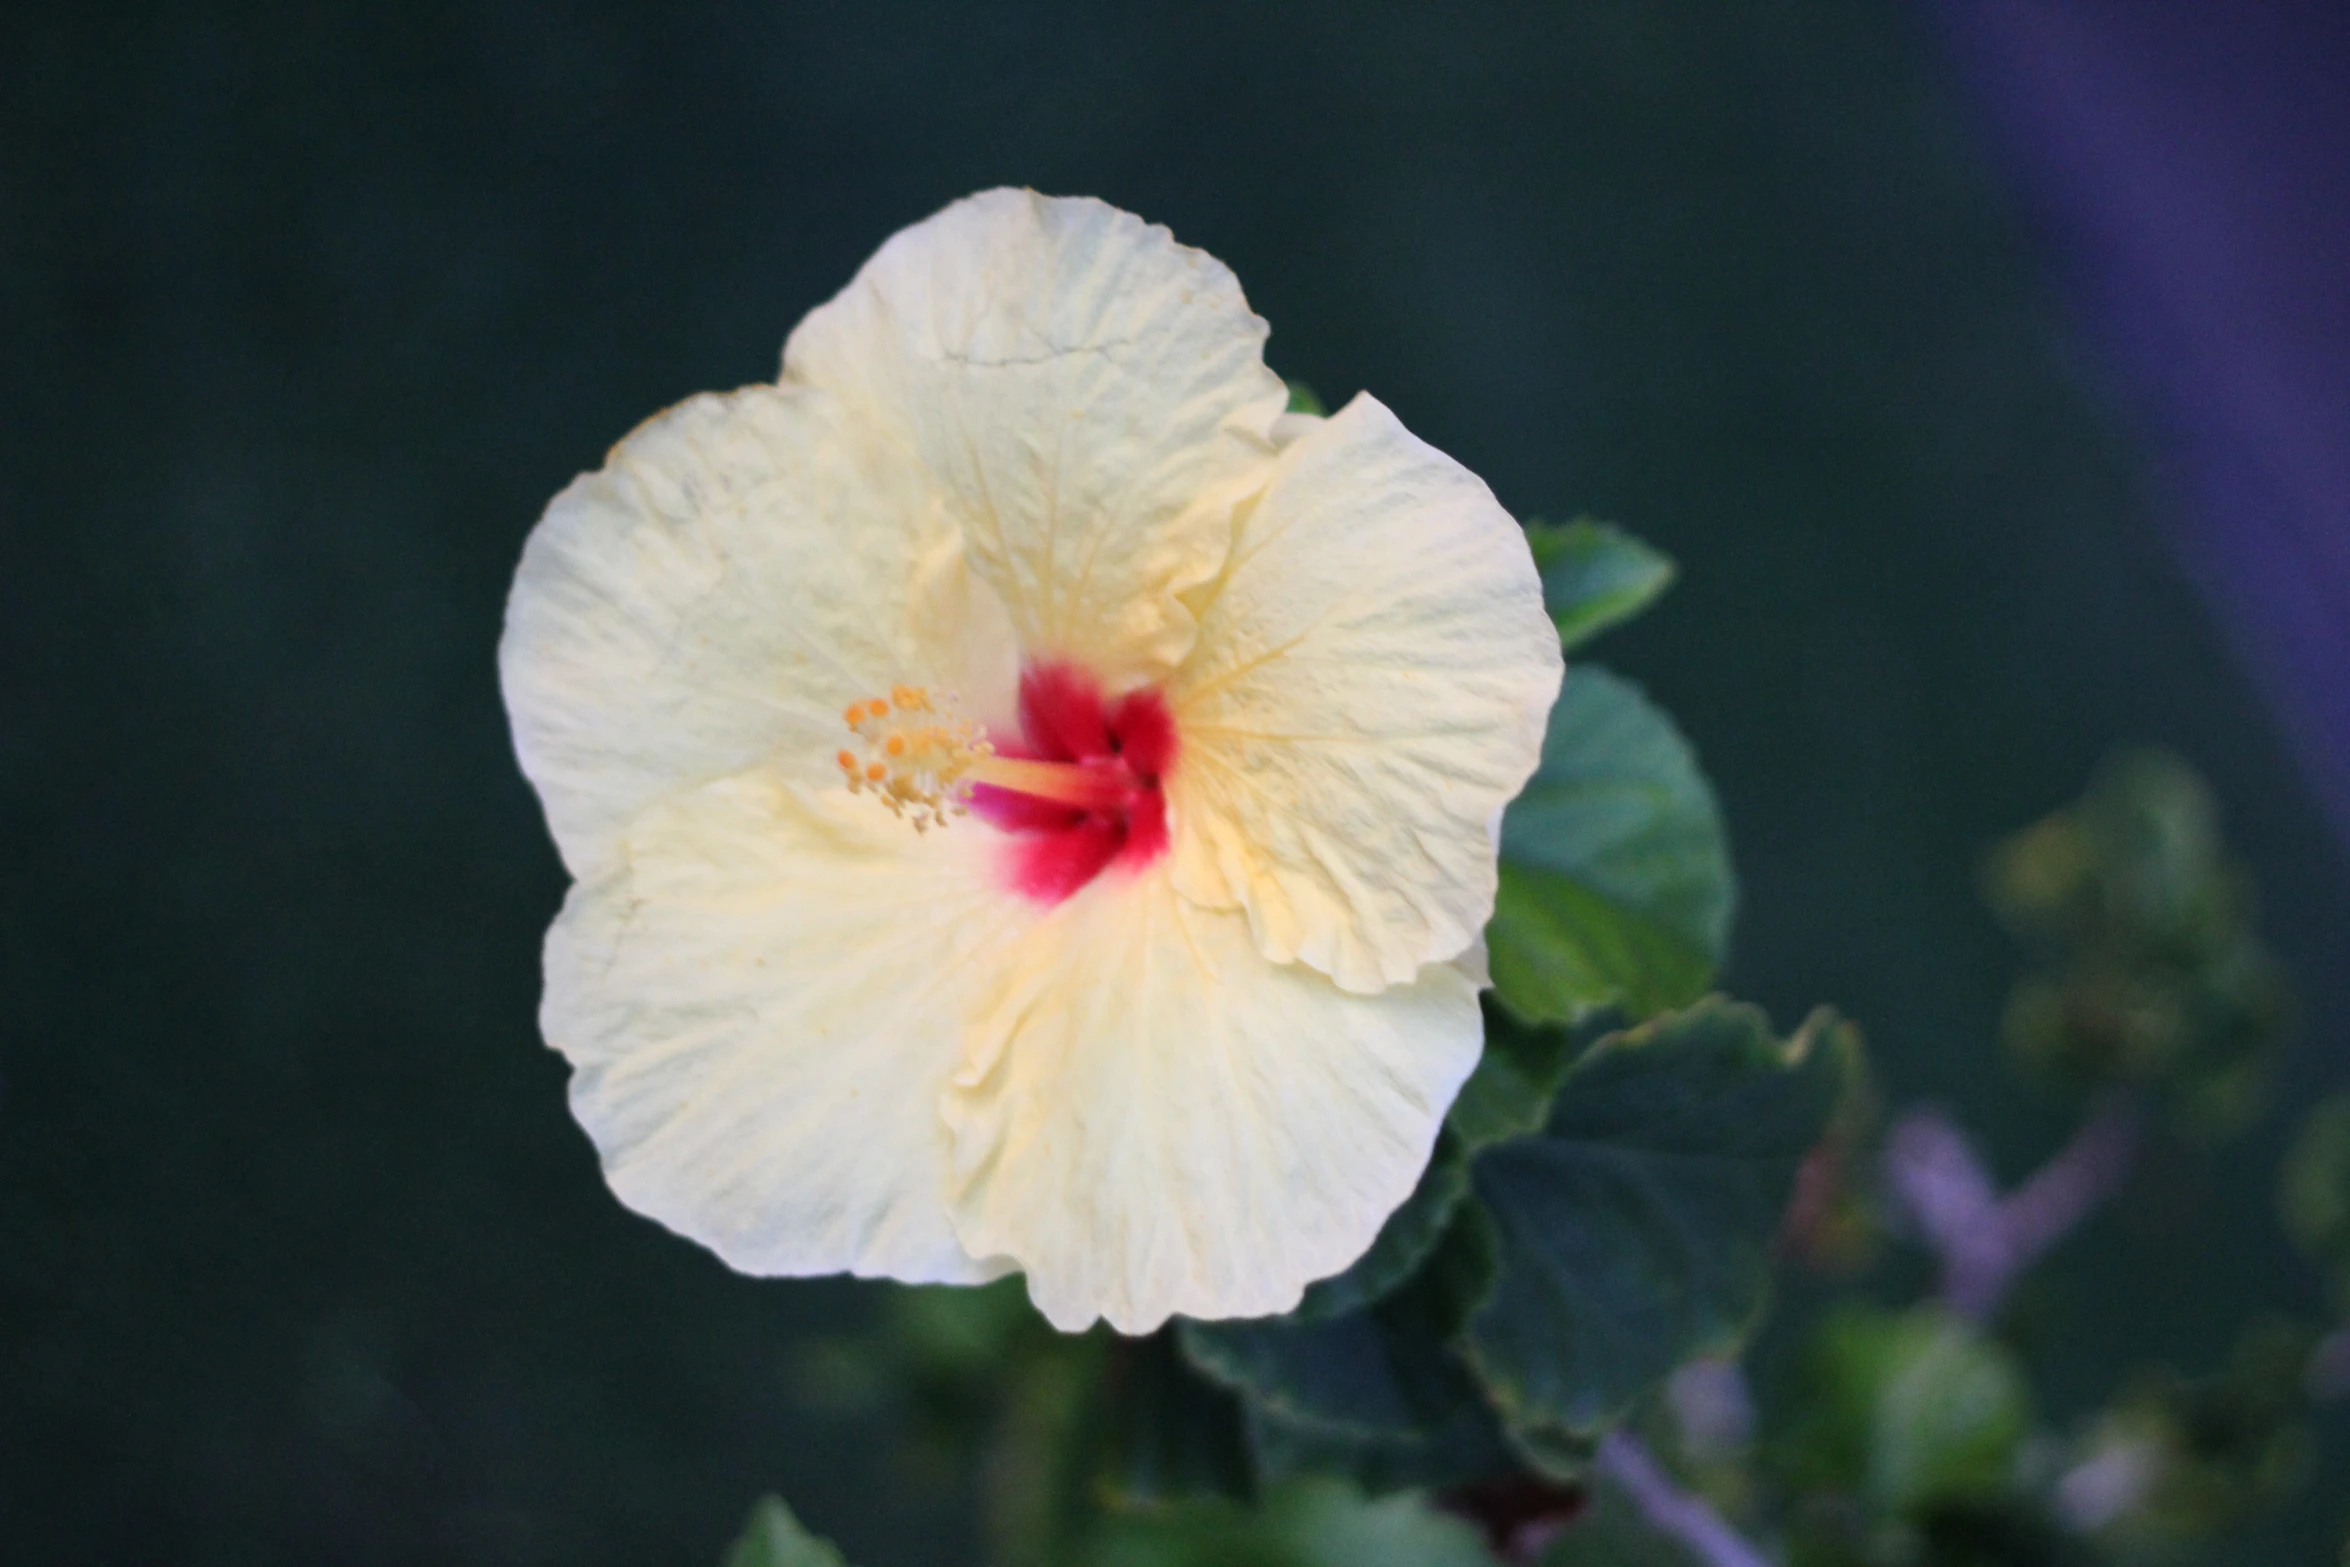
{"x": 741, "y": 568}
{"x": 1090, "y": 397}
{"x": 1367, "y": 691}
{"x": 1152, "y": 1119}
{"x": 762, "y": 999}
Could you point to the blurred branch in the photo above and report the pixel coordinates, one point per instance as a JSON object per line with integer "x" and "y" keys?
{"x": 1671, "y": 1511}
{"x": 1986, "y": 1241}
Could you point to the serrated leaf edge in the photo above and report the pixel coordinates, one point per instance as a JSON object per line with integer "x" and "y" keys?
{"x": 1508, "y": 1397}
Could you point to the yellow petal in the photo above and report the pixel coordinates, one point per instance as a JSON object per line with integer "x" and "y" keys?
{"x": 1090, "y": 397}
{"x": 1152, "y": 1119}
{"x": 762, "y": 1000}
{"x": 742, "y": 567}
{"x": 1368, "y": 690}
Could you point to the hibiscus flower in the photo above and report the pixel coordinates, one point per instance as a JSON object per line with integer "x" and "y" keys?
{"x": 1031, "y": 800}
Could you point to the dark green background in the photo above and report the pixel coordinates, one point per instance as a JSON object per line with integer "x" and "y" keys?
{"x": 308, "y": 309}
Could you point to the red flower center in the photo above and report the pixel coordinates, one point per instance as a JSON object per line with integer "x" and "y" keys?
{"x": 1125, "y": 747}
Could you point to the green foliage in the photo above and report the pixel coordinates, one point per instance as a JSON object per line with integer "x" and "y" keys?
{"x": 1319, "y": 1523}
{"x": 1636, "y": 1232}
{"x": 1303, "y": 401}
{"x": 957, "y": 1335}
{"x": 1616, "y": 887}
{"x": 774, "y": 1538}
{"x": 1595, "y": 575}
{"x": 1380, "y": 1391}
{"x": 1039, "y": 1493}
{"x": 1612, "y": 1532}
{"x": 1466, "y": 1445}
{"x": 1909, "y": 1447}
{"x": 1509, "y": 1094}
{"x": 1169, "y": 1436}
{"x": 2315, "y": 1194}
{"x": 939, "y": 1363}
{"x": 2149, "y": 973}
{"x": 1908, "y": 1412}
{"x": 2211, "y": 1452}
{"x": 1611, "y": 1236}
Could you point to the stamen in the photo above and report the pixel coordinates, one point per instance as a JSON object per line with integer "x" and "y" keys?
{"x": 1063, "y": 783}
{"x": 923, "y": 762}
{"x": 916, "y": 757}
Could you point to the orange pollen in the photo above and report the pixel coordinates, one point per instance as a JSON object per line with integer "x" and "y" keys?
{"x": 921, "y": 760}
{"x": 918, "y": 754}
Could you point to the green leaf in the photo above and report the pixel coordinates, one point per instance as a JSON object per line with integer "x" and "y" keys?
{"x": 1910, "y": 1411}
{"x": 1303, "y": 401}
{"x": 960, "y": 1331}
{"x": 1385, "y": 1371}
{"x": 1171, "y": 1436}
{"x": 1348, "y": 1375}
{"x": 1379, "y": 1394}
{"x": 1330, "y": 1525}
{"x": 1510, "y": 1092}
{"x": 1318, "y": 1522}
{"x": 1468, "y": 1446}
{"x": 1615, "y": 873}
{"x": 1636, "y": 1231}
{"x": 1595, "y": 575}
{"x": 774, "y": 1538}
{"x": 1613, "y": 1532}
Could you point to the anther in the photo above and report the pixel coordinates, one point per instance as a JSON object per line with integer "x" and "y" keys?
{"x": 922, "y": 763}
{"x": 914, "y": 756}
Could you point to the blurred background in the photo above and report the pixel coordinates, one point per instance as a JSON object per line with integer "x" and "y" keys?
{"x": 1985, "y": 366}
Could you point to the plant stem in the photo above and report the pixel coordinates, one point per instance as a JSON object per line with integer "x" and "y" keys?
{"x": 1986, "y": 1241}
{"x": 1626, "y": 1460}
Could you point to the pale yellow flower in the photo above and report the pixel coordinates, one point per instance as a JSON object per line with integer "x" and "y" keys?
{"x": 1032, "y": 801}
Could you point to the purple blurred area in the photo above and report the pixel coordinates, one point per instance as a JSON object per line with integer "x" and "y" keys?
{"x": 2189, "y": 165}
